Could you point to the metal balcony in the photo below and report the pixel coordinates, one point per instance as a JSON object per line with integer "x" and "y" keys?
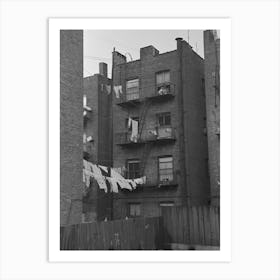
{"x": 163, "y": 92}
{"x": 161, "y": 135}
{"x": 129, "y": 99}
{"x": 124, "y": 139}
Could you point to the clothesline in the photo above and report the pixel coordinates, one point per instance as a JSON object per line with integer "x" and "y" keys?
{"x": 104, "y": 175}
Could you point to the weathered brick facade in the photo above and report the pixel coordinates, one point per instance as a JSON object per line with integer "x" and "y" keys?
{"x": 97, "y": 124}
{"x": 212, "y": 91}
{"x": 71, "y": 125}
{"x": 188, "y": 144}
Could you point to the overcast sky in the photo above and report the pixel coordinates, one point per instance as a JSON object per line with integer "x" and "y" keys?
{"x": 99, "y": 44}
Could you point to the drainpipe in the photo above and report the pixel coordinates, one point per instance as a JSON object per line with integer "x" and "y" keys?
{"x": 181, "y": 131}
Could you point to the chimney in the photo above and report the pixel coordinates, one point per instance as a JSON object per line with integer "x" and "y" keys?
{"x": 103, "y": 69}
{"x": 179, "y": 42}
{"x": 148, "y": 52}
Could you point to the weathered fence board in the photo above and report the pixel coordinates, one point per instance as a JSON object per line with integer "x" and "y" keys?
{"x": 130, "y": 234}
{"x": 177, "y": 225}
{"x": 198, "y": 225}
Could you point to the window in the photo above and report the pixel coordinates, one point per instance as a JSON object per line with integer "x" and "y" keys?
{"x": 132, "y": 89}
{"x": 134, "y": 209}
{"x": 166, "y": 169}
{"x": 164, "y": 119}
{"x": 163, "y": 83}
{"x": 133, "y": 169}
{"x": 163, "y": 77}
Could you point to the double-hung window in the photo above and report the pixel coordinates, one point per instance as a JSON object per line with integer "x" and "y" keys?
{"x": 133, "y": 168}
{"x": 165, "y": 169}
{"x": 163, "y": 82}
{"x": 164, "y": 119}
{"x": 164, "y": 129}
{"x": 132, "y": 89}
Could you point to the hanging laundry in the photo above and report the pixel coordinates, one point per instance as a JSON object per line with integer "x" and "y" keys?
{"x": 115, "y": 174}
{"x": 113, "y": 184}
{"x": 134, "y": 133}
{"x": 132, "y": 183}
{"x": 108, "y": 89}
{"x": 104, "y": 168}
{"x": 87, "y": 175}
{"x": 91, "y": 170}
{"x": 140, "y": 181}
{"x": 101, "y": 182}
{"x": 117, "y": 170}
{"x": 118, "y": 91}
{"x": 129, "y": 122}
{"x": 123, "y": 183}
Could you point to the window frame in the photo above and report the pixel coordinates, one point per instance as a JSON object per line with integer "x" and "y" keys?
{"x": 165, "y": 82}
{"x": 128, "y": 161}
{"x": 134, "y": 204}
{"x": 163, "y": 115}
{"x": 165, "y": 156}
{"x": 127, "y": 88}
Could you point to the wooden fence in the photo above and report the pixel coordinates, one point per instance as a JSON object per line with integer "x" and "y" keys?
{"x": 191, "y": 225}
{"x": 130, "y": 234}
{"x": 177, "y": 225}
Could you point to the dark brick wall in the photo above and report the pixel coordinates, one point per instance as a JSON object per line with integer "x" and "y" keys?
{"x": 196, "y": 152}
{"x": 98, "y": 125}
{"x": 212, "y": 62}
{"x": 71, "y": 125}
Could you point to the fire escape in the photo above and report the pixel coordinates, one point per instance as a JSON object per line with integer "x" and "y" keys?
{"x": 161, "y": 93}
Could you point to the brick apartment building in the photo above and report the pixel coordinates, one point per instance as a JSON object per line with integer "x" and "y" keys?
{"x": 71, "y": 125}
{"x": 164, "y": 94}
{"x": 212, "y": 91}
{"x": 97, "y": 139}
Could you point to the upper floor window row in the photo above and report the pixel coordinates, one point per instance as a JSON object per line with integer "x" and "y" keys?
{"x": 132, "y": 86}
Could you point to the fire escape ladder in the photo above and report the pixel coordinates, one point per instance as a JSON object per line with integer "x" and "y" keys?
{"x": 142, "y": 118}
{"x": 146, "y": 152}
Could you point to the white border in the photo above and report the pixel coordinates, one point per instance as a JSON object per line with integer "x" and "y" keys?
{"x": 224, "y": 254}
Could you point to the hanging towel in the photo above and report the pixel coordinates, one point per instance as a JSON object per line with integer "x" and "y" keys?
{"x": 129, "y": 122}
{"x": 104, "y": 168}
{"x": 115, "y": 174}
{"x": 108, "y": 89}
{"x": 140, "y": 181}
{"x": 134, "y": 133}
{"x": 118, "y": 91}
{"x": 117, "y": 170}
{"x": 124, "y": 184}
{"x": 87, "y": 177}
{"x": 92, "y": 170}
{"x": 101, "y": 182}
{"x": 132, "y": 183}
{"x": 113, "y": 184}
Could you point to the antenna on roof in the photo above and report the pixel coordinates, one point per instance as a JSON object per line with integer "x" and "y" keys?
{"x": 130, "y": 56}
{"x": 188, "y": 36}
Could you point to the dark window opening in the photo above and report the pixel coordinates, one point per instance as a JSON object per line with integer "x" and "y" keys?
{"x": 133, "y": 169}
